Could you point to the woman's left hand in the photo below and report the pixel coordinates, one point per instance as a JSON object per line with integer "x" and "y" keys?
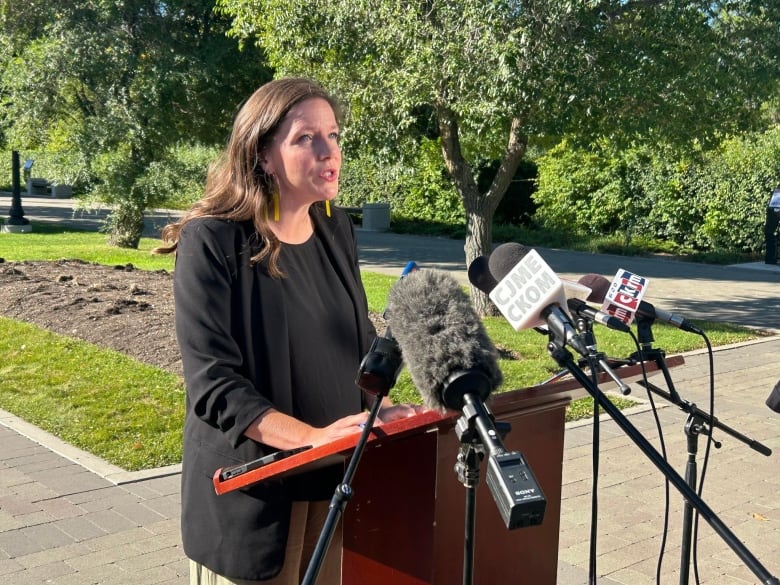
{"x": 396, "y": 411}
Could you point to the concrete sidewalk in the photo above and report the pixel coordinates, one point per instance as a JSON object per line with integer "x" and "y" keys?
{"x": 68, "y": 518}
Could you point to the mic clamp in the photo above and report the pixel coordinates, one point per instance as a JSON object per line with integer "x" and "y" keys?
{"x": 515, "y": 490}
{"x": 380, "y": 367}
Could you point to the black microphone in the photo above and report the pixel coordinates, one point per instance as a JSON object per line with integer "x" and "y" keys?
{"x": 651, "y": 312}
{"x": 480, "y": 275}
{"x": 584, "y": 311}
{"x": 773, "y": 400}
{"x": 598, "y": 286}
{"x": 453, "y": 364}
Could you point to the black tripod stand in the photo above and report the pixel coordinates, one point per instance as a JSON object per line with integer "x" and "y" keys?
{"x": 512, "y": 484}
{"x": 562, "y": 356}
{"x": 377, "y": 375}
{"x": 698, "y": 423}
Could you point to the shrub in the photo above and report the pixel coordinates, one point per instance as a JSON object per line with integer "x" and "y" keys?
{"x": 706, "y": 201}
{"x": 420, "y": 190}
{"x": 177, "y": 180}
{"x": 743, "y": 173}
{"x": 578, "y": 191}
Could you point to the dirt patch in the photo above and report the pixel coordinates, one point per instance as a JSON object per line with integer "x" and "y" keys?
{"x": 120, "y": 307}
{"x": 116, "y": 307}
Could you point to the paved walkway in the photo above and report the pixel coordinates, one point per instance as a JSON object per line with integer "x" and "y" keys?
{"x": 69, "y": 518}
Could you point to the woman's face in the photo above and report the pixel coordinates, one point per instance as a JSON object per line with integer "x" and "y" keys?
{"x": 304, "y": 156}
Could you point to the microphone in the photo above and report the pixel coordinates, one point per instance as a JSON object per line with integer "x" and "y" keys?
{"x": 480, "y": 275}
{"x": 651, "y": 312}
{"x": 625, "y": 294}
{"x": 773, "y": 400}
{"x": 442, "y": 337}
{"x": 381, "y": 366}
{"x": 584, "y": 311}
{"x": 598, "y": 287}
{"x": 453, "y": 364}
{"x": 530, "y": 294}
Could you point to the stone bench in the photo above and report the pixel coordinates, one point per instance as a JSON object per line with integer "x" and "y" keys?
{"x": 374, "y": 216}
{"x": 37, "y": 186}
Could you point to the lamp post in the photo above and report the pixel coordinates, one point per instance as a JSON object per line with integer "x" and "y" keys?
{"x": 16, "y": 223}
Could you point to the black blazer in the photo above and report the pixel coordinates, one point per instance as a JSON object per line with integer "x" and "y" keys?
{"x": 235, "y": 353}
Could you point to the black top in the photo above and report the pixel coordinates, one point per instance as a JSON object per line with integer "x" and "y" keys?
{"x": 322, "y": 335}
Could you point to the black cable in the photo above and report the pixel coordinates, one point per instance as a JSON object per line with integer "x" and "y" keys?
{"x": 662, "y": 443}
{"x": 706, "y": 460}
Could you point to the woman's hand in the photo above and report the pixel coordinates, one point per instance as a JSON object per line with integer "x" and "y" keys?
{"x": 396, "y": 411}
{"x": 282, "y": 431}
{"x": 343, "y": 427}
{"x": 285, "y": 432}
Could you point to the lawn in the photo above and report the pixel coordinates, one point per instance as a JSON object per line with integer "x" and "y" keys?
{"x": 131, "y": 414}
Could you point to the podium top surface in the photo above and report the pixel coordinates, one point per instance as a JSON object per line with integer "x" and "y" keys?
{"x": 500, "y": 404}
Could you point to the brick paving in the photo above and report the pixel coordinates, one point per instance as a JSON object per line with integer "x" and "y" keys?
{"x": 741, "y": 486}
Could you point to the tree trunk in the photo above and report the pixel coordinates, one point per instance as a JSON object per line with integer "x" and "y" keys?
{"x": 480, "y": 207}
{"x": 479, "y": 242}
{"x": 125, "y": 225}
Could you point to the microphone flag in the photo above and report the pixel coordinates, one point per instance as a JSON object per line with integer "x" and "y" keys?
{"x": 624, "y": 295}
{"x": 528, "y": 287}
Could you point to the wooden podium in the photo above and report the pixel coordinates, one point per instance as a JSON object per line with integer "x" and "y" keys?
{"x": 405, "y": 523}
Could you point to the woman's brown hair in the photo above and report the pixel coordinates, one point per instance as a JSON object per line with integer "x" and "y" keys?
{"x": 237, "y": 188}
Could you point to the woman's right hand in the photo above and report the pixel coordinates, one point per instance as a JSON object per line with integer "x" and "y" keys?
{"x": 343, "y": 427}
{"x": 282, "y": 431}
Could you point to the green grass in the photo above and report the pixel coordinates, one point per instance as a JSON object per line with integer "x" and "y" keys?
{"x": 48, "y": 242}
{"x": 131, "y": 414}
{"x": 126, "y": 412}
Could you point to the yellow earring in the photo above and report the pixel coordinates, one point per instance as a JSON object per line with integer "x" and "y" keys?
{"x": 327, "y": 207}
{"x": 274, "y": 189}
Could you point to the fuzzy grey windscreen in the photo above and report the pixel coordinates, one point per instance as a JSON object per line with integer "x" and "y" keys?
{"x": 439, "y": 333}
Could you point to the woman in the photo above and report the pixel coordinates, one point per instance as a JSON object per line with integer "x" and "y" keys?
{"x": 272, "y": 321}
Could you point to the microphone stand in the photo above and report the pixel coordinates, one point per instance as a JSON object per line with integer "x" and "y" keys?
{"x": 595, "y": 362}
{"x": 564, "y": 358}
{"x": 467, "y": 469}
{"x": 514, "y": 488}
{"x": 698, "y": 422}
{"x": 339, "y": 500}
{"x": 377, "y": 374}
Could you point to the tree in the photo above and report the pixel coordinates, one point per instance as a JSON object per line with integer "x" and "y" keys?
{"x": 121, "y": 82}
{"x": 494, "y": 75}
